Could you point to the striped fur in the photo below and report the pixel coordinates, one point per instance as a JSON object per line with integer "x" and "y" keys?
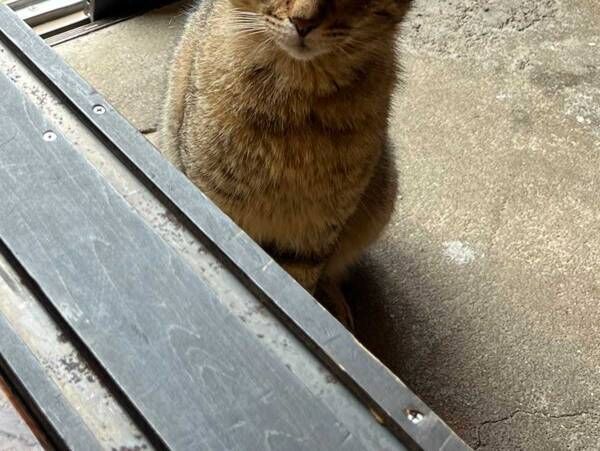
{"x": 289, "y": 137}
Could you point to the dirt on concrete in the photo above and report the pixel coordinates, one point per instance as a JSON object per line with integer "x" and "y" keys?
{"x": 461, "y": 28}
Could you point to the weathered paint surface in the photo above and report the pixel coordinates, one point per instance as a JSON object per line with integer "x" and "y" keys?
{"x": 14, "y": 432}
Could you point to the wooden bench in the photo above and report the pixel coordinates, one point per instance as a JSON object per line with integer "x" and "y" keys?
{"x": 136, "y": 315}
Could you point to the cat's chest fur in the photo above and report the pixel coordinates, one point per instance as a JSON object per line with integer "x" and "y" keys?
{"x": 305, "y": 154}
{"x": 285, "y": 148}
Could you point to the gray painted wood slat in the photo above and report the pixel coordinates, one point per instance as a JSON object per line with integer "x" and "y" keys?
{"x": 62, "y": 423}
{"x": 200, "y": 380}
{"x": 15, "y": 432}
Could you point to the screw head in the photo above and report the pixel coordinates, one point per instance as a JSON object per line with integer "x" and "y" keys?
{"x": 99, "y": 109}
{"x": 49, "y": 136}
{"x": 414, "y": 416}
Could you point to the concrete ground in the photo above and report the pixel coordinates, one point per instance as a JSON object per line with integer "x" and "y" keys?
{"x": 484, "y": 294}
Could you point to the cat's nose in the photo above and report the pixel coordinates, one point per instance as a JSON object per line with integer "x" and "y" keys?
{"x": 305, "y": 26}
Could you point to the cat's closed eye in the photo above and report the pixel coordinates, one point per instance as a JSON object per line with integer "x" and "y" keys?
{"x": 306, "y": 29}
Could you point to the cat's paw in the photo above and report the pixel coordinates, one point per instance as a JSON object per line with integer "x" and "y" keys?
{"x": 330, "y": 295}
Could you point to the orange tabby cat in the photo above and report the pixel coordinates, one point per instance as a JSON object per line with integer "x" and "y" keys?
{"x": 278, "y": 111}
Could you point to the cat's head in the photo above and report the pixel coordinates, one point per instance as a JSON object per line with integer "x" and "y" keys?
{"x": 306, "y": 29}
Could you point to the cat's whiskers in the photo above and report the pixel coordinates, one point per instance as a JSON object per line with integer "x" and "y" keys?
{"x": 243, "y": 32}
{"x": 247, "y": 28}
{"x": 361, "y": 48}
{"x": 246, "y": 20}
{"x": 263, "y": 46}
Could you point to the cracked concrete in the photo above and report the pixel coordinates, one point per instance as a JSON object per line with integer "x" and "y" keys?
{"x": 483, "y": 295}
{"x": 491, "y": 437}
